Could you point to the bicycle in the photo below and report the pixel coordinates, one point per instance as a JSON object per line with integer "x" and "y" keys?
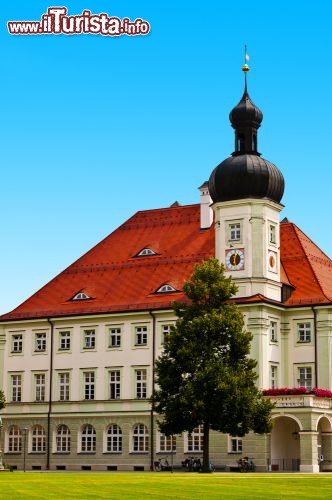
{"x": 161, "y": 465}
{"x": 246, "y": 465}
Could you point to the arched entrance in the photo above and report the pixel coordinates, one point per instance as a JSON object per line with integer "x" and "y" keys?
{"x": 324, "y": 443}
{"x": 285, "y": 444}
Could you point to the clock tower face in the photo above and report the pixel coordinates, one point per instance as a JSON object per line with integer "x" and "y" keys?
{"x": 272, "y": 261}
{"x": 235, "y": 259}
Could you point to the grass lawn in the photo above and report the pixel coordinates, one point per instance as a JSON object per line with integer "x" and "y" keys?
{"x": 138, "y": 485}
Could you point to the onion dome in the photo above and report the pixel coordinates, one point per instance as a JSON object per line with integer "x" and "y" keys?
{"x": 245, "y": 174}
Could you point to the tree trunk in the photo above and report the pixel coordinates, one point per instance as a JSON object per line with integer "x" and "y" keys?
{"x": 206, "y": 455}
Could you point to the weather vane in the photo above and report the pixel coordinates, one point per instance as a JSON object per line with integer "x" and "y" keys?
{"x": 245, "y": 67}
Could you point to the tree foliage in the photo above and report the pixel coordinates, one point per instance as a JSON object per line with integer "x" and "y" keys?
{"x": 2, "y": 400}
{"x": 204, "y": 375}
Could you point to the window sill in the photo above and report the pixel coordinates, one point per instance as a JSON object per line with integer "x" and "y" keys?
{"x": 112, "y": 452}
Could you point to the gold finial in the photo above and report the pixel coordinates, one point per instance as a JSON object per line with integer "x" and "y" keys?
{"x": 245, "y": 67}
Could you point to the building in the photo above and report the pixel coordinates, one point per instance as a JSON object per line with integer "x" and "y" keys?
{"x": 77, "y": 357}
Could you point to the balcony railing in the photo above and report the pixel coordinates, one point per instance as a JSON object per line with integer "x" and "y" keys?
{"x": 305, "y": 400}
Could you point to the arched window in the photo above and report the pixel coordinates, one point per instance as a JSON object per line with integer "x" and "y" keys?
{"x": 63, "y": 439}
{"x": 114, "y": 439}
{"x": 14, "y": 439}
{"x": 38, "y": 443}
{"x": 88, "y": 439}
{"x": 140, "y": 438}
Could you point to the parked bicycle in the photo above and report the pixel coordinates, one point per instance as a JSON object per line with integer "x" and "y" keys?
{"x": 192, "y": 464}
{"x": 246, "y": 465}
{"x": 161, "y": 465}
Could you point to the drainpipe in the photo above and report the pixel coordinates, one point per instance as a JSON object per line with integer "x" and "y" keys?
{"x": 316, "y": 346}
{"x": 153, "y": 386}
{"x": 48, "y": 444}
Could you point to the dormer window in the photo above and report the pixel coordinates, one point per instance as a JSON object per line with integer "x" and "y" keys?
{"x": 146, "y": 252}
{"x": 81, "y": 296}
{"x": 166, "y": 289}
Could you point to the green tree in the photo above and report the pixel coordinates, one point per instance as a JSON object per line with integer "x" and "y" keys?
{"x": 2, "y": 399}
{"x": 204, "y": 375}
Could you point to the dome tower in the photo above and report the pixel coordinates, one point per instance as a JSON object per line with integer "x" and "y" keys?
{"x": 246, "y": 191}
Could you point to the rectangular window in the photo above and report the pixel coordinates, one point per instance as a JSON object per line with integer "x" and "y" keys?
{"x": 273, "y": 376}
{"x": 195, "y": 440}
{"x": 89, "y": 385}
{"x": 235, "y": 444}
{"x": 167, "y": 444}
{"x": 40, "y": 342}
{"x": 64, "y": 341}
{"x": 17, "y": 343}
{"x": 165, "y": 330}
{"x": 40, "y": 385}
{"x": 115, "y": 384}
{"x": 89, "y": 339}
{"x": 141, "y": 335}
{"x": 140, "y": 384}
{"x": 305, "y": 377}
{"x": 272, "y": 233}
{"x": 64, "y": 386}
{"x": 304, "y": 332}
{"x": 114, "y": 337}
{"x": 273, "y": 331}
{"x": 16, "y": 383}
{"x": 235, "y": 232}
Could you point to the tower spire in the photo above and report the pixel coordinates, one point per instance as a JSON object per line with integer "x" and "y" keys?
{"x": 245, "y": 68}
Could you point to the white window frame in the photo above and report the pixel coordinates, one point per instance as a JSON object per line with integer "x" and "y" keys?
{"x": 273, "y": 376}
{"x": 304, "y": 332}
{"x": 165, "y": 330}
{"x": 40, "y": 342}
{"x": 64, "y": 385}
{"x": 38, "y": 439}
{"x": 166, "y": 444}
{"x": 273, "y": 330}
{"x": 114, "y": 383}
{"x": 89, "y": 338}
{"x": 14, "y": 439}
{"x": 17, "y": 343}
{"x": 235, "y": 231}
{"x": 115, "y": 337}
{"x": 235, "y": 444}
{"x": 16, "y": 387}
{"x": 194, "y": 440}
{"x": 40, "y": 387}
{"x": 140, "y": 439}
{"x": 141, "y": 336}
{"x": 64, "y": 340}
{"x": 63, "y": 439}
{"x": 89, "y": 385}
{"x": 88, "y": 439}
{"x": 272, "y": 233}
{"x": 141, "y": 376}
{"x": 113, "y": 439}
{"x": 305, "y": 376}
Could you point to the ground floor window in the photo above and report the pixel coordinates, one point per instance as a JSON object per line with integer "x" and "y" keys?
{"x": 88, "y": 439}
{"x": 14, "y": 439}
{"x": 114, "y": 439}
{"x": 140, "y": 438}
{"x": 195, "y": 440}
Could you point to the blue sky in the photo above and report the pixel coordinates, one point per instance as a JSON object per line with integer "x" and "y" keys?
{"x": 96, "y": 128}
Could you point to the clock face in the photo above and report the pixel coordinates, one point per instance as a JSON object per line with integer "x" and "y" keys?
{"x": 235, "y": 259}
{"x": 272, "y": 261}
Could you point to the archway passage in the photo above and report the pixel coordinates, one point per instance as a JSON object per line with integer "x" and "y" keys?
{"x": 285, "y": 445}
{"x": 324, "y": 444}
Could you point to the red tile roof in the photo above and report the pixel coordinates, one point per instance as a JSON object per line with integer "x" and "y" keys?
{"x": 308, "y": 269}
{"x": 117, "y": 280}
